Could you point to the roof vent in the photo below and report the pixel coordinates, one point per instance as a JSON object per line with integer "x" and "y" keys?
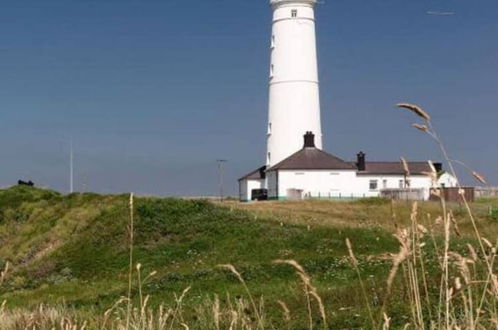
{"x": 309, "y": 140}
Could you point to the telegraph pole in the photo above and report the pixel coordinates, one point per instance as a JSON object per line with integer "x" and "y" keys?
{"x": 221, "y": 162}
{"x": 71, "y": 168}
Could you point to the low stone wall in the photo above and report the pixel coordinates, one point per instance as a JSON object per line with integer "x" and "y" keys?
{"x": 404, "y": 194}
{"x": 483, "y": 192}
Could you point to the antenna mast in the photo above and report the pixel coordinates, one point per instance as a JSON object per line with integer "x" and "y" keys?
{"x": 71, "y": 168}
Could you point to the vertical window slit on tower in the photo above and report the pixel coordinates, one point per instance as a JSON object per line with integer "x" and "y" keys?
{"x": 294, "y": 13}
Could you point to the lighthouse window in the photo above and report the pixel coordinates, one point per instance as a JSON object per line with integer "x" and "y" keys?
{"x": 272, "y": 41}
{"x": 271, "y": 70}
{"x": 294, "y": 13}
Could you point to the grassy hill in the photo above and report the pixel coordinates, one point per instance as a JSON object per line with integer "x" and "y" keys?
{"x": 72, "y": 250}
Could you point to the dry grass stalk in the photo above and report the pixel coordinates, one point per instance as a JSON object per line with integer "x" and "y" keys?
{"x": 387, "y": 322}
{"x": 354, "y": 261}
{"x": 3, "y": 273}
{"x": 420, "y": 127}
{"x": 479, "y": 177}
{"x": 216, "y": 312}
{"x": 472, "y": 252}
{"x": 285, "y": 310}
{"x": 306, "y": 284}
{"x": 321, "y": 307}
{"x": 351, "y": 254}
{"x": 404, "y": 239}
{"x": 130, "y": 271}
{"x": 234, "y": 271}
{"x": 415, "y": 109}
{"x": 405, "y": 166}
{"x": 309, "y": 290}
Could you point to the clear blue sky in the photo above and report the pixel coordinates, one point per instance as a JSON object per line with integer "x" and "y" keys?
{"x": 153, "y": 92}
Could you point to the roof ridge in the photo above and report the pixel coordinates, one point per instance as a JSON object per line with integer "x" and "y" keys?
{"x": 312, "y": 158}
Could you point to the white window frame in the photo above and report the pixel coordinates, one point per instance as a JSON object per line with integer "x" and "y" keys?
{"x": 373, "y": 183}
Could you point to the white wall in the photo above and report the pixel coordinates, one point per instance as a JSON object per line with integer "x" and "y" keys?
{"x": 335, "y": 184}
{"x": 317, "y": 182}
{"x": 447, "y": 180}
{"x": 393, "y": 182}
{"x": 246, "y": 187}
{"x": 294, "y": 101}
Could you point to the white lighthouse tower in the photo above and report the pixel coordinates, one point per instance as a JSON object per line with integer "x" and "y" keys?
{"x": 294, "y": 105}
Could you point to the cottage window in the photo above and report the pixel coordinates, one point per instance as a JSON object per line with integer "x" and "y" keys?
{"x": 294, "y": 13}
{"x": 401, "y": 184}
{"x": 373, "y": 184}
{"x": 384, "y": 184}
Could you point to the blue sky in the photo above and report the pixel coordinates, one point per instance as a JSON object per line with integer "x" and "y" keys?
{"x": 153, "y": 92}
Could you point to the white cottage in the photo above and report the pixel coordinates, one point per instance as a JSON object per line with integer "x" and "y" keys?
{"x": 311, "y": 172}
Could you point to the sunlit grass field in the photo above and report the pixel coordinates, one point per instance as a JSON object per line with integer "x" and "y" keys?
{"x": 72, "y": 252}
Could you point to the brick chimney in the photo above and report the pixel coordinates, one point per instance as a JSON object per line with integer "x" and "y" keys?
{"x": 309, "y": 140}
{"x": 360, "y": 163}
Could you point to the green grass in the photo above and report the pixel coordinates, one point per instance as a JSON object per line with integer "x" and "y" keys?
{"x": 73, "y": 250}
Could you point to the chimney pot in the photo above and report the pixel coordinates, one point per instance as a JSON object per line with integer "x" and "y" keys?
{"x": 309, "y": 140}
{"x": 360, "y": 163}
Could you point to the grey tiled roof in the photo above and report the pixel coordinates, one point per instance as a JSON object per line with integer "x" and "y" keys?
{"x": 257, "y": 174}
{"x": 312, "y": 159}
{"x": 416, "y": 168}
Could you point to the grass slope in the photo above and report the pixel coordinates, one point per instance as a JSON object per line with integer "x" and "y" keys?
{"x": 73, "y": 250}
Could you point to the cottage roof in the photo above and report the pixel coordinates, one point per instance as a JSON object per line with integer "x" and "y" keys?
{"x": 257, "y": 174}
{"x": 395, "y": 168}
{"x": 310, "y": 158}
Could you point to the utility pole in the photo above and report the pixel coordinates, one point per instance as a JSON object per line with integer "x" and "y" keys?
{"x": 71, "y": 168}
{"x": 221, "y": 162}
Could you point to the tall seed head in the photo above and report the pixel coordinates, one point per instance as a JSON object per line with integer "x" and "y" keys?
{"x": 479, "y": 177}
{"x": 422, "y": 128}
{"x": 415, "y": 109}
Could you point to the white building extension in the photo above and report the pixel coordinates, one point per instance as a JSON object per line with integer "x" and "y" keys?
{"x": 294, "y": 104}
{"x": 251, "y": 184}
{"x": 446, "y": 180}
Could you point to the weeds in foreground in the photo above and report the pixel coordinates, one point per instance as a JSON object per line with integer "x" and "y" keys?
{"x": 458, "y": 291}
